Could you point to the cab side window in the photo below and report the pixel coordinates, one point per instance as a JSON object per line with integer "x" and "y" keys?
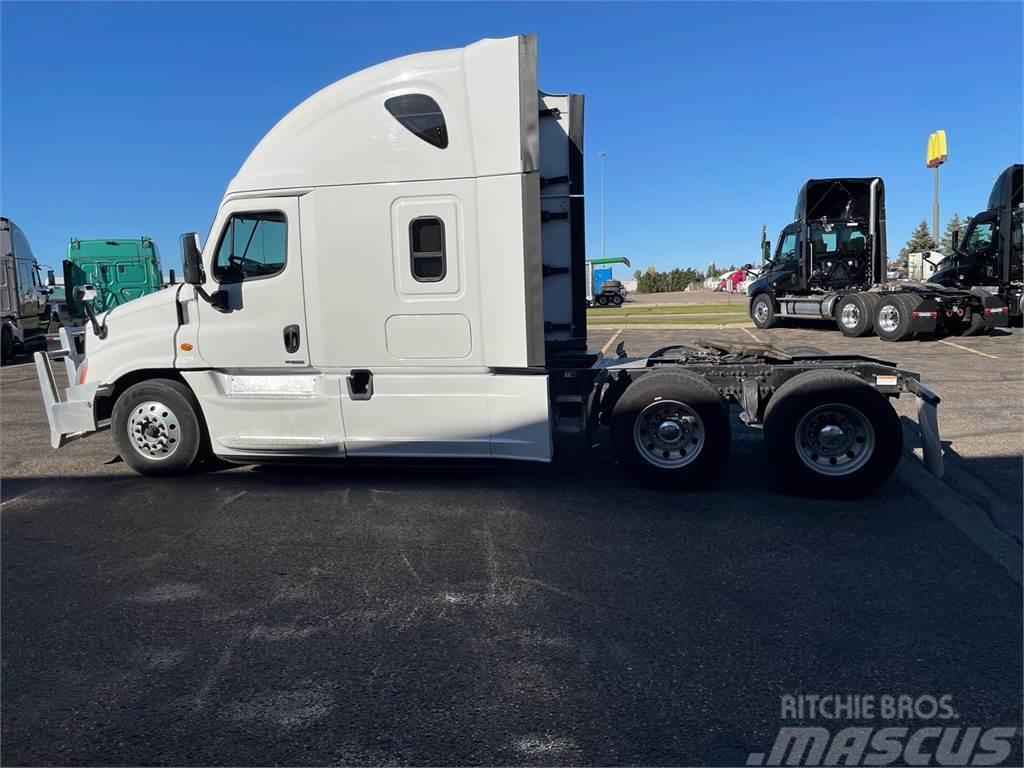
{"x": 983, "y": 238}
{"x": 426, "y": 249}
{"x": 252, "y": 246}
{"x": 787, "y": 249}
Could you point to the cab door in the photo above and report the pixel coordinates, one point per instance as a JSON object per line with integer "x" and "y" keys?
{"x": 253, "y": 265}
{"x": 788, "y": 267}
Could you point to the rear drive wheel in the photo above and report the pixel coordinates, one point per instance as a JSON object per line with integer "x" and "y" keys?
{"x": 617, "y": 300}
{"x": 831, "y": 434}
{"x": 893, "y": 317}
{"x": 762, "y": 311}
{"x": 671, "y": 428}
{"x": 156, "y": 427}
{"x": 602, "y": 301}
{"x": 854, "y": 314}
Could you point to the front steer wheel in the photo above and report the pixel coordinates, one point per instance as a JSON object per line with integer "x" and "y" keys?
{"x": 156, "y": 427}
{"x": 671, "y": 428}
{"x": 831, "y": 435}
{"x": 762, "y": 311}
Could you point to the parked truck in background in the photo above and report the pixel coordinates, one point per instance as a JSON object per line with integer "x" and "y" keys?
{"x": 24, "y": 300}
{"x": 468, "y": 336}
{"x": 989, "y": 257}
{"x": 830, "y": 263}
{"x": 120, "y": 270}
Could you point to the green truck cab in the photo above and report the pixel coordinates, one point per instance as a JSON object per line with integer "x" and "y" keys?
{"x": 120, "y": 270}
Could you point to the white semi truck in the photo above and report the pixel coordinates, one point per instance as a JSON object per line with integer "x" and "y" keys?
{"x": 450, "y": 190}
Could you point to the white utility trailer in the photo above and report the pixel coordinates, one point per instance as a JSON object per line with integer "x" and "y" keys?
{"x": 450, "y": 190}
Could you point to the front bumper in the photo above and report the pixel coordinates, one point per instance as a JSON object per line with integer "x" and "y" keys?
{"x": 73, "y": 416}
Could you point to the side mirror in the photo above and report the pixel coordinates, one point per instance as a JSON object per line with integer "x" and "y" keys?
{"x": 171, "y": 277}
{"x": 51, "y": 279}
{"x": 192, "y": 259}
{"x": 85, "y": 293}
{"x": 766, "y": 250}
{"x": 955, "y": 238}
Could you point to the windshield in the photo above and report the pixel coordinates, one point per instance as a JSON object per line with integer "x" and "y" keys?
{"x": 843, "y": 238}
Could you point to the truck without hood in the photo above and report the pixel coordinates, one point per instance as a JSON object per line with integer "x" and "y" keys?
{"x": 830, "y": 263}
{"x": 989, "y": 258}
{"x": 120, "y": 269}
{"x": 450, "y": 189}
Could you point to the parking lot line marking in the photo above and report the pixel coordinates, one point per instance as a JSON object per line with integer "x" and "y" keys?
{"x": 966, "y": 349}
{"x": 611, "y": 341}
{"x": 751, "y": 335}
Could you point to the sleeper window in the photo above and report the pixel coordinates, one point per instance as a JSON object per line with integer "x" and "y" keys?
{"x": 421, "y": 115}
{"x": 426, "y": 249}
{"x": 253, "y": 245}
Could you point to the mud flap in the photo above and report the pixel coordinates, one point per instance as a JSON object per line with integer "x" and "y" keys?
{"x": 928, "y": 421}
{"x": 925, "y": 317}
{"x": 997, "y": 314}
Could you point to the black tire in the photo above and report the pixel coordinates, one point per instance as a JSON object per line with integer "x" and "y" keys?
{"x": 802, "y": 395}
{"x": 854, "y": 314}
{"x": 800, "y": 350}
{"x": 6, "y": 343}
{"x": 762, "y": 311}
{"x": 602, "y": 301}
{"x": 690, "y": 459}
{"x": 180, "y": 437}
{"x": 893, "y": 319}
{"x": 617, "y": 300}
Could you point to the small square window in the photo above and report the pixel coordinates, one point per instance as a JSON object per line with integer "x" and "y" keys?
{"x": 426, "y": 249}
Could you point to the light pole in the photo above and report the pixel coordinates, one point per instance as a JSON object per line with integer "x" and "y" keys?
{"x": 602, "y": 154}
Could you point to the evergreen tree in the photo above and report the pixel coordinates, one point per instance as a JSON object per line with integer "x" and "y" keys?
{"x": 653, "y": 281}
{"x": 920, "y": 240}
{"x": 955, "y": 223}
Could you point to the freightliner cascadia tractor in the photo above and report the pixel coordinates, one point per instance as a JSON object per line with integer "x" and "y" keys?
{"x": 450, "y": 189}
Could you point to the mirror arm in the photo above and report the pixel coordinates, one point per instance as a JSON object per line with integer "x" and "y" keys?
{"x": 211, "y": 298}
{"x": 99, "y": 330}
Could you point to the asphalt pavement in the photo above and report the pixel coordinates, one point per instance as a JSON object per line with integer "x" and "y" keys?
{"x": 501, "y": 613}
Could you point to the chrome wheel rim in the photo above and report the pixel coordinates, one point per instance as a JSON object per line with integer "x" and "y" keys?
{"x": 668, "y": 434}
{"x": 835, "y": 439}
{"x": 761, "y": 311}
{"x": 850, "y": 315}
{"x": 888, "y": 318}
{"x": 153, "y": 430}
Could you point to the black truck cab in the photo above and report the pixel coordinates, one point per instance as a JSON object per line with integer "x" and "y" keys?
{"x": 991, "y": 252}
{"x": 835, "y": 244}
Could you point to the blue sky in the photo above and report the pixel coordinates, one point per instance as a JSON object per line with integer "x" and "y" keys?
{"x": 123, "y": 119}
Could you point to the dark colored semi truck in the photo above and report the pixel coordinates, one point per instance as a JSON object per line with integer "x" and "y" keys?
{"x": 830, "y": 263}
{"x": 990, "y": 255}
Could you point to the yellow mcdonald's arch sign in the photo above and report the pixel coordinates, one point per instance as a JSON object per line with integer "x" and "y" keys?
{"x": 936, "y": 149}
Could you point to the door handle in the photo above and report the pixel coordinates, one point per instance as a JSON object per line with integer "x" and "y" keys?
{"x": 291, "y": 338}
